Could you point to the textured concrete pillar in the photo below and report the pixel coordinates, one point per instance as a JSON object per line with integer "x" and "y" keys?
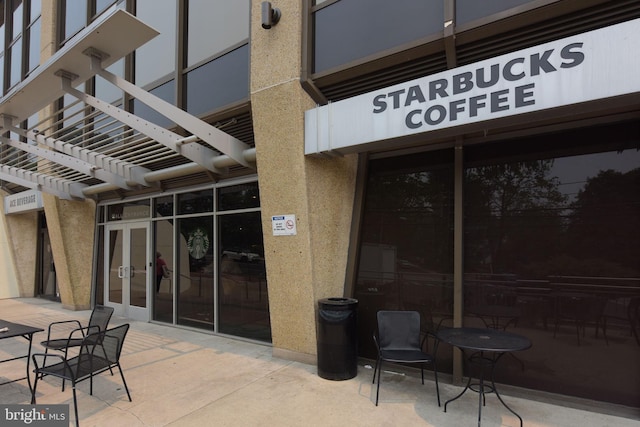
{"x": 71, "y": 229}
{"x": 70, "y": 223}
{"x": 18, "y": 248}
{"x": 310, "y": 265}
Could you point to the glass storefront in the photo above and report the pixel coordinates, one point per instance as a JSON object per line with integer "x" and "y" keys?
{"x": 206, "y": 255}
{"x": 242, "y": 290}
{"x": 406, "y": 251}
{"x": 551, "y": 237}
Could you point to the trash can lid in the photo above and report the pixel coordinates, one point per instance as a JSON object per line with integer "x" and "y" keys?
{"x": 337, "y": 302}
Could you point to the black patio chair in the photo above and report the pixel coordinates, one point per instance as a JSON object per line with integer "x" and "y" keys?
{"x": 398, "y": 341}
{"x": 98, "y": 352}
{"x": 99, "y": 320}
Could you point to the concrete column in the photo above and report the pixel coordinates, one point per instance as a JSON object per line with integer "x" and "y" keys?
{"x": 70, "y": 223}
{"x": 18, "y": 247}
{"x": 310, "y": 265}
{"x": 71, "y": 229}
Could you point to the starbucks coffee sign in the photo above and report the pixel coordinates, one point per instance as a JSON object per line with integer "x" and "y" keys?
{"x": 594, "y": 65}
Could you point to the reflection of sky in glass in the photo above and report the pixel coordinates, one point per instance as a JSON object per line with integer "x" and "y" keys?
{"x": 574, "y": 171}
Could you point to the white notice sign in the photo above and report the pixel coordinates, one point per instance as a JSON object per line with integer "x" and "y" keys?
{"x": 284, "y": 225}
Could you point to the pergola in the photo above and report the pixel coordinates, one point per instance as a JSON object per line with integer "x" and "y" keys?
{"x": 91, "y": 146}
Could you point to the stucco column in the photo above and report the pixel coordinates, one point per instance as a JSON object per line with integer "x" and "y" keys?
{"x": 70, "y": 223}
{"x": 71, "y": 229}
{"x": 19, "y": 243}
{"x": 310, "y": 265}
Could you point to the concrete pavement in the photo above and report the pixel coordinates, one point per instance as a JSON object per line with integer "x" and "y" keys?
{"x": 186, "y": 378}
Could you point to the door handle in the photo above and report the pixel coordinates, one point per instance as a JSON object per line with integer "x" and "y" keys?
{"x": 132, "y": 271}
{"x": 121, "y": 272}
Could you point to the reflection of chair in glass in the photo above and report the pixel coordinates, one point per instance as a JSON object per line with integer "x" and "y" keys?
{"x": 620, "y": 312}
{"x": 579, "y": 309}
{"x": 398, "y": 341}
{"x": 99, "y": 352}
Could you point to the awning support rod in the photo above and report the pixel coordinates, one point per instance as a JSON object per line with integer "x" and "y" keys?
{"x": 213, "y": 136}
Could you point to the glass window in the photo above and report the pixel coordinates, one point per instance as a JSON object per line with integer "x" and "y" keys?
{"x": 163, "y": 206}
{"x": 107, "y": 91}
{"x": 164, "y": 289}
{"x": 75, "y": 17}
{"x": 552, "y": 234}
{"x": 406, "y": 248}
{"x": 242, "y": 290}
{"x": 17, "y": 17}
{"x": 157, "y": 58}
{"x": 2, "y": 46}
{"x": 165, "y": 92}
{"x": 130, "y": 210}
{"x": 215, "y": 26}
{"x": 36, "y": 10}
{"x": 76, "y": 14}
{"x": 196, "y": 266}
{"x": 2, "y": 27}
{"x": 102, "y": 5}
{"x": 469, "y": 10}
{"x": 219, "y": 82}
{"x": 350, "y": 30}
{"x": 34, "y": 45}
{"x": 15, "y": 55}
{"x": 195, "y": 202}
{"x": 238, "y": 197}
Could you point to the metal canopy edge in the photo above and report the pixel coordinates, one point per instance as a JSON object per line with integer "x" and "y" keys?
{"x": 107, "y": 34}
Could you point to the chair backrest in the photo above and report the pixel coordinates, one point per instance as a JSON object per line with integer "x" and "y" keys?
{"x": 106, "y": 344}
{"x": 100, "y": 317}
{"x": 398, "y": 329}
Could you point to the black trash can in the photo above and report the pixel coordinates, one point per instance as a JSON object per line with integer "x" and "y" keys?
{"x": 337, "y": 338}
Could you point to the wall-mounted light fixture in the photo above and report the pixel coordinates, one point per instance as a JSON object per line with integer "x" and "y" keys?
{"x": 270, "y": 16}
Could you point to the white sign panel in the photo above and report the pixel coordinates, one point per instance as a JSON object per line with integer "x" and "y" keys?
{"x": 23, "y": 202}
{"x": 284, "y": 225}
{"x": 593, "y": 65}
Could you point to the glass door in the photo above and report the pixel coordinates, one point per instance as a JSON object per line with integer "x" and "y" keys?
{"x": 127, "y": 266}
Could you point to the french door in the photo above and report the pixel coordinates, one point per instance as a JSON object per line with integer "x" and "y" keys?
{"x": 127, "y": 270}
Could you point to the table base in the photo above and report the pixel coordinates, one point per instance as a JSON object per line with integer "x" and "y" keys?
{"x": 479, "y": 359}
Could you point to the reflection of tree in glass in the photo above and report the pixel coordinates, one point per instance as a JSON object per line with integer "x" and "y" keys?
{"x": 604, "y": 230}
{"x": 413, "y": 211}
{"x": 513, "y": 215}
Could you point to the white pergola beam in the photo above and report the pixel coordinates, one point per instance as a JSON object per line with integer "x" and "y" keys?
{"x": 221, "y": 141}
{"x": 63, "y": 189}
{"x": 194, "y": 152}
{"x": 69, "y": 162}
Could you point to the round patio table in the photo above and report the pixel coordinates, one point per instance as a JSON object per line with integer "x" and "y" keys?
{"x": 486, "y": 346}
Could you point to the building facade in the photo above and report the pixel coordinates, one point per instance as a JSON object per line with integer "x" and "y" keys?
{"x": 221, "y": 166}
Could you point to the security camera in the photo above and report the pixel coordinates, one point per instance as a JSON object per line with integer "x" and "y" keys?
{"x": 270, "y": 16}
